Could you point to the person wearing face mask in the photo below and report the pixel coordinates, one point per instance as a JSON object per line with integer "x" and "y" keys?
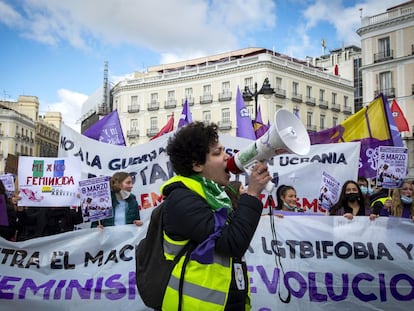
{"x": 366, "y": 192}
{"x": 286, "y": 199}
{"x": 351, "y": 202}
{"x": 124, "y": 203}
{"x": 402, "y": 201}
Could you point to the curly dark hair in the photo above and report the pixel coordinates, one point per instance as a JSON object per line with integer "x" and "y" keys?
{"x": 190, "y": 145}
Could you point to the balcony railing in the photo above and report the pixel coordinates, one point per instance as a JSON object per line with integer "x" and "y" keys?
{"x": 297, "y": 97}
{"x": 279, "y": 92}
{"x": 224, "y": 96}
{"x": 347, "y": 110}
{"x": 311, "y": 128}
{"x": 323, "y": 104}
{"x": 152, "y": 131}
{"x": 383, "y": 56}
{"x": 224, "y": 125}
{"x": 390, "y": 93}
{"x": 335, "y": 107}
{"x": 101, "y": 109}
{"x": 206, "y": 99}
{"x": 310, "y": 101}
{"x": 133, "y": 108}
{"x": 154, "y": 105}
{"x": 170, "y": 103}
{"x": 133, "y": 133}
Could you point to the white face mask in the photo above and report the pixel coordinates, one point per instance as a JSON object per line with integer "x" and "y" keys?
{"x": 124, "y": 194}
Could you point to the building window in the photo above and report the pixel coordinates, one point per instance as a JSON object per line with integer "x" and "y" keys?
{"x": 322, "y": 122}
{"x": 385, "y": 81}
{"x": 225, "y": 86}
{"x": 225, "y": 115}
{"x": 345, "y": 101}
{"x": 154, "y": 97}
{"x": 278, "y": 83}
{"x": 134, "y": 101}
{"x": 134, "y": 124}
{"x": 154, "y": 123}
{"x": 321, "y": 95}
{"x": 334, "y": 96}
{"x": 248, "y": 82}
{"x": 171, "y": 95}
{"x": 207, "y": 116}
{"x": 207, "y": 89}
{"x": 309, "y": 119}
{"x": 295, "y": 88}
{"x": 334, "y": 121}
{"x": 188, "y": 92}
{"x": 308, "y": 91}
{"x": 384, "y": 47}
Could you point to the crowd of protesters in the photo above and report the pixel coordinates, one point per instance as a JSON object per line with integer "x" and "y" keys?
{"x": 357, "y": 198}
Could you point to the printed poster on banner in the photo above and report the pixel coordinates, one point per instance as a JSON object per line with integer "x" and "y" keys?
{"x": 8, "y": 182}
{"x": 392, "y": 166}
{"x": 329, "y": 191}
{"x": 47, "y": 182}
{"x": 95, "y": 195}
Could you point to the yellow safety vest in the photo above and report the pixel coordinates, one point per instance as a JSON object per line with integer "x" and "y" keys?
{"x": 381, "y": 200}
{"x": 206, "y": 286}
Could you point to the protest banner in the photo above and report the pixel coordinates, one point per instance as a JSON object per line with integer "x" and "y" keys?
{"x": 150, "y": 167}
{"x": 392, "y": 166}
{"x": 329, "y": 192}
{"x": 95, "y": 197}
{"x": 8, "y": 182}
{"x": 325, "y": 262}
{"x": 48, "y": 181}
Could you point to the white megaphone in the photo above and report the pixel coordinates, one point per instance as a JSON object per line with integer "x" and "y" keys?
{"x": 286, "y": 135}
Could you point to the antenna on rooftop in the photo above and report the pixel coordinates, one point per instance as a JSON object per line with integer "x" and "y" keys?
{"x": 323, "y": 43}
{"x": 360, "y": 12}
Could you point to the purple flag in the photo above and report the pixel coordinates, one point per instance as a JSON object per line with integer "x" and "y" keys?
{"x": 107, "y": 130}
{"x": 244, "y": 123}
{"x": 258, "y": 126}
{"x": 185, "y": 117}
{"x": 4, "y": 220}
{"x": 259, "y": 116}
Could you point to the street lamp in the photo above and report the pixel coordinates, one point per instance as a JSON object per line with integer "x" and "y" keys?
{"x": 265, "y": 90}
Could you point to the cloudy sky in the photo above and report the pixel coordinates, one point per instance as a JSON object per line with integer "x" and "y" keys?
{"x": 56, "y": 50}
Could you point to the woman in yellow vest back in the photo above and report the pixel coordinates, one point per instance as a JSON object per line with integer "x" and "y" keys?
{"x": 197, "y": 210}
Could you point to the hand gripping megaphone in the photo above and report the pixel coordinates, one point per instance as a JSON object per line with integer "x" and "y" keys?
{"x": 286, "y": 135}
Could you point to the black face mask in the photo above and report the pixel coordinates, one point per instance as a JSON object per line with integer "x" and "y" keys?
{"x": 352, "y": 197}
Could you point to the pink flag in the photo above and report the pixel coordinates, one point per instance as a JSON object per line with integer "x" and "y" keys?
{"x": 169, "y": 127}
{"x": 399, "y": 118}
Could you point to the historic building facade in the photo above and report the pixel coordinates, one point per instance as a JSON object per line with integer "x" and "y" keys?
{"x": 209, "y": 84}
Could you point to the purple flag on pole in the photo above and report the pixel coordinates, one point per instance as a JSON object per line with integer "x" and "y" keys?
{"x": 107, "y": 130}
{"x": 259, "y": 116}
{"x": 185, "y": 117}
{"x": 244, "y": 123}
{"x": 258, "y": 126}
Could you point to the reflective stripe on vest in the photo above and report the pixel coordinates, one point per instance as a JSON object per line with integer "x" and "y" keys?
{"x": 381, "y": 200}
{"x": 205, "y": 287}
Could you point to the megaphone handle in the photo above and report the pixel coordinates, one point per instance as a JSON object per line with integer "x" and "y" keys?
{"x": 270, "y": 186}
{"x": 248, "y": 169}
